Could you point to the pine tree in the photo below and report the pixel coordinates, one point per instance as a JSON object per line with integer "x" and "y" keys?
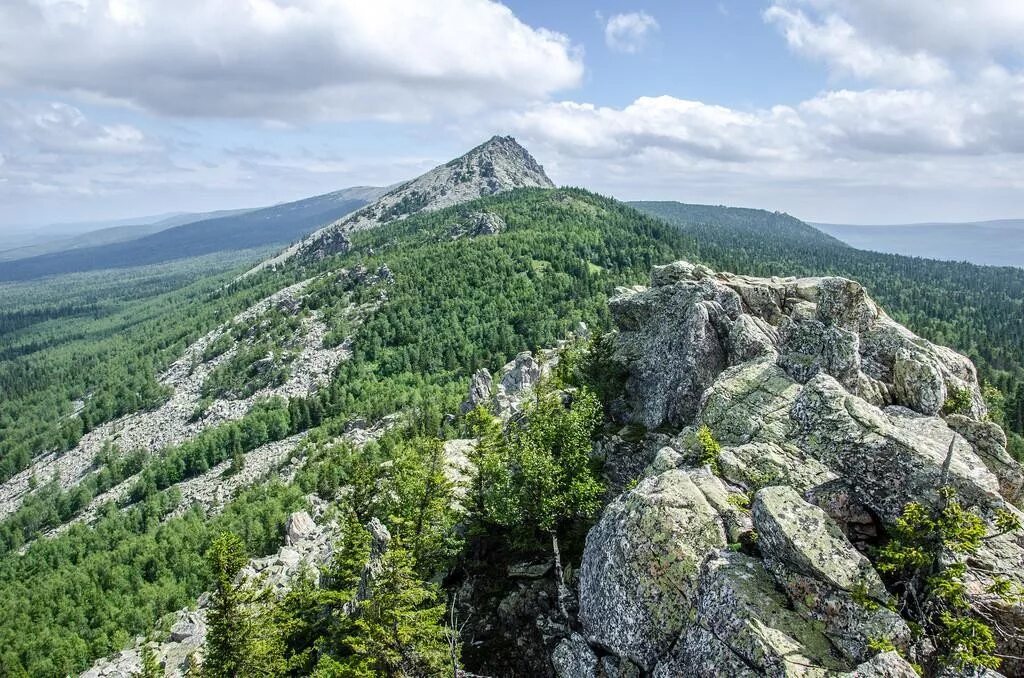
{"x": 228, "y": 639}
{"x": 150, "y": 666}
{"x": 399, "y": 629}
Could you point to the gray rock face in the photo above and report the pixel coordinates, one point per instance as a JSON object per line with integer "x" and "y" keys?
{"x": 516, "y": 381}
{"x": 573, "y": 658}
{"x": 479, "y": 391}
{"x": 639, "y": 573}
{"x": 743, "y": 627}
{"x": 299, "y": 526}
{"x": 834, "y": 418}
{"x": 670, "y": 338}
{"x": 827, "y": 579}
{"x": 804, "y": 539}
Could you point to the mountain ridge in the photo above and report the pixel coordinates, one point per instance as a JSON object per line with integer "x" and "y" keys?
{"x": 306, "y": 365}
{"x": 262, "y": 227}
{"x": 499, "y": 164}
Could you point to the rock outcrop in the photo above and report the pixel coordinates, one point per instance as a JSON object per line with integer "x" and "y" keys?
{"x": 830, "y": 417}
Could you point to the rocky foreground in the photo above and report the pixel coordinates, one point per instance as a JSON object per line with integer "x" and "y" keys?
{"x": 752, "y": 559}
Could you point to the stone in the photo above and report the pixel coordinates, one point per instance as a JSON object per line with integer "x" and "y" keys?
{"x": 617, "y": 667}
{"x": 888, "y": 458}
{"x": 529, "y": 570}
{"x": 918, "y": 385}
{"x": 299, "y": 526}
{"x": 750, "y": 402}
{"x": 744, "y": 627}
{"x": 479, "y": 392}
{"x": 989, "y": 443}
{"x": 670, "y": 339}
{"x": 810, "y": 347}
{"x": 638, "y": 576}
{"x": 573, "y": 658}
{"x": 804, "y": 539}
{"x": 485, "y": 223}
{"x": 756, "y": 465}
{"x": 516, "y": 381}
{"x": 289, "y": 557}
{"x": 884, "y": 665}
{"x": 186, "y": 627}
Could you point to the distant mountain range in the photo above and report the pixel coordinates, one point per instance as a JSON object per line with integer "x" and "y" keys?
{"x": 992, "y": 243}
{"x": 127, "y": 246}
{"x": 62, "y": 237}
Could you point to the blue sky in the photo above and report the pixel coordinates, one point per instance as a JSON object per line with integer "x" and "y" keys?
{"x": 863, "y": 111}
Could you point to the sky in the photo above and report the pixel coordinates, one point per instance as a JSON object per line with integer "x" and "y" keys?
{"x": 849, "y": 111}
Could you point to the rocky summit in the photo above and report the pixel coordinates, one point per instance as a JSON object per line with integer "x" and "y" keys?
{"x": 790, "y": 422}
{"x": 499, "y": 164}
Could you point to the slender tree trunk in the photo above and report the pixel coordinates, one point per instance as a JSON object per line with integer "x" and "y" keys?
{"x": 559, "y": 581}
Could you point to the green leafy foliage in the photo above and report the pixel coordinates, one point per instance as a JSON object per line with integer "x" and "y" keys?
{"x": 924, "y": 560}
{"x": 710, "y": 448}
{"x": 86, "y": 593}
{"x": 958, "y": 401}
{"x": 542, "y": 475}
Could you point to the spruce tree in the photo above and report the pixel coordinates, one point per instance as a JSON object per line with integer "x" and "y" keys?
{"x": 228, "y": 639}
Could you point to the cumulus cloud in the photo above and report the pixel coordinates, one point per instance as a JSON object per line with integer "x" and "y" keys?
{"x": 629, "y": 32}
{"x": 835, "y": 124}
{"x": 912, "y": 42}
{"x": 839, "y": 44}
{"x": 301, "y": 59}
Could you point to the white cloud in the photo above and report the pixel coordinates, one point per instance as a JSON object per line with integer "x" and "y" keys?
{"x": 61, "y": 128}
{"x": 951, "y": 29}
{"x": 836, "y": 42}
{"x": 629, "y": 32}
{"x": 828, "y": 153}
{"x": 272, "y": 59}
{"x": 911, "y": 42}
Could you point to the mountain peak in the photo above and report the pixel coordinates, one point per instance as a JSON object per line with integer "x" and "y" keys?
{"x": 499, "y": 164}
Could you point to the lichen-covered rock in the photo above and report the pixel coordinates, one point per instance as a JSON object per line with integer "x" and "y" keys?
{"x": 825, "y": 577}
{"x": 750, "y": 402}
{"x": 918, "y": 385}
{"x": 805, "y": 540}
{"x": 889, "y": 458}
{"x": 516, "y": 381}
{"x": 884, "y": 665}
{"x": 810, "y": 347}
{"x": 638, "y": 577}
{"x": 744, "y": 627}
{"x": 573, "y": 658}
{"x": 671, "y": 340}
{"x": 299, "y": 526}
{"x": 838, "y": 417}
{"x": 989, "y": 443}
{"x": 479, "y": 391}
{"x": 757, "y": 465}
